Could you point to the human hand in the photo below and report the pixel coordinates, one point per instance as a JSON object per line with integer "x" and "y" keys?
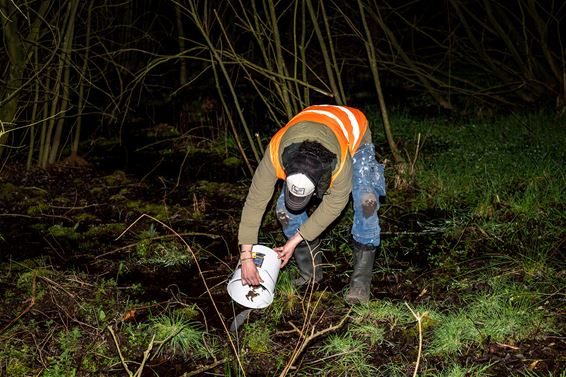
{"x": 250, "y": 274}
{"x": 286, "y": 251}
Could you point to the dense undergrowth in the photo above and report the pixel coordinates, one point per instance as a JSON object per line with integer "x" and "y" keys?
{"x": 469, "y": 282}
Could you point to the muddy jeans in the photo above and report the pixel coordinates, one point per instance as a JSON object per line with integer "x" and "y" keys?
{"x": 368, "y": 184}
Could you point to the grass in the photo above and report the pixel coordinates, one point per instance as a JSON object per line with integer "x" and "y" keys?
{"x": 163, "y": 254}
{"x": 456, "y": 370}
{"x": 380, "y": 311}
{"x": 153, "y": 252}
{"x": 504, "y": 198}
{"x": 257, "y": 337}
{"x": 345, "y": 356}
{"x": 514, "y": 164}
{"x": 287, "y": 297}
{"x": 178, "y": 336}
{"x": 491, "y": 272}
{"x": 505, "y": 313}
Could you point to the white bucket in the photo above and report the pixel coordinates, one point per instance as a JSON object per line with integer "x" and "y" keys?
{"x": 268, "y": 265}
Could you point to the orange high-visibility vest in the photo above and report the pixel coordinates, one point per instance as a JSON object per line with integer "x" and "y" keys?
{"x": 347, "y": 123}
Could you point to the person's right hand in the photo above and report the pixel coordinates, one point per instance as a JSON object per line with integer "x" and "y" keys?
{"x": 250, "y": 274}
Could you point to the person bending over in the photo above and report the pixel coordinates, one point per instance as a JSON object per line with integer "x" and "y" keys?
{"x": 325, "y": 151}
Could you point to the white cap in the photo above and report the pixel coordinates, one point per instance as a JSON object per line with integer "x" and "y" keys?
{"x": 298, "y": 192}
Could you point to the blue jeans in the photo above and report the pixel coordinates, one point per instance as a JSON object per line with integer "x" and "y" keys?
{"x": 368, "y": 184}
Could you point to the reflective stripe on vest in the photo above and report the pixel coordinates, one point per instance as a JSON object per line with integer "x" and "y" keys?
{"x": 347, "y": 123}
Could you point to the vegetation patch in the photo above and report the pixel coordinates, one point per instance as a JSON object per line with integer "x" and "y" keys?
{"x": 118, "y": 273}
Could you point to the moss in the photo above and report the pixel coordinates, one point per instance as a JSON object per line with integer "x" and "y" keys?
{"x": 232, "y": 162}
{"x": 115, "y": 179}
{"x": 7, "y": 191}
{"x": 188, "y": 312}
{"x": 84, "y": 217}
{"x": 142, "y": 248}
{"x": 163, "y": 130}
{"x": 59, "y": 230}
{"x": 112, "y": 229}
{"x": 60, "y": 201}
{"x": 226, "y": 189}
{"x": 25, "y": 282}
{"x": 96, "y": 190}
{"x": 258, "y": 337}
{"x": 15, "y": 367}
{"x": 37, "y": 209}
{"x": 117, "y": 198}
{"x": 158, "y": 211}
{"x": 26, "y": 278}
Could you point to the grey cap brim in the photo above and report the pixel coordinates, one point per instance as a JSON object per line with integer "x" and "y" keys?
{"x": 296, "y": 203}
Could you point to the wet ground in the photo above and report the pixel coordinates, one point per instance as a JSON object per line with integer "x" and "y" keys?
{"x": 92, "y": 219}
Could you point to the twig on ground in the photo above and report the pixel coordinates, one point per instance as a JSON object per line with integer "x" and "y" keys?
{"x": 197, "y": 264}
{"x": 205, "y": 368}
{"x": 122, "y": 360}
{"x": 419, "y": 318}
{"x": 307, "y": 339}
{"x": 146, "y": 354}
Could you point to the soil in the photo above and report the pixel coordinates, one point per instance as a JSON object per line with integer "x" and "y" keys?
{"x": 88, "y": 220}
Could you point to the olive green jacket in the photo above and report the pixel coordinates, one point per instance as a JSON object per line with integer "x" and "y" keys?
{"x": 264, "y": 180}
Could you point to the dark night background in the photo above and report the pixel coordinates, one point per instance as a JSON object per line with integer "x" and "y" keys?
{"x": 172, "y": 62}
{"x": 130, "y": 130}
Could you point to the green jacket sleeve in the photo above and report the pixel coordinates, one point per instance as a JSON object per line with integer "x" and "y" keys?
{"x": 260, "y": 193}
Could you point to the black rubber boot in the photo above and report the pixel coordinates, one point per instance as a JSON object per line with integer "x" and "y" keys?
{"x": 304, "y": 257}
{"x": 364, "y": 256}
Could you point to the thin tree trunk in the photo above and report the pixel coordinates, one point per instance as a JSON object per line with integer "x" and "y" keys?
{"x": 301, "y": 47}
{"x": 280, "y": 62}
{"x": 372, "y": 59}
{"x": 82, "y": 99}
{"x": 332, "y": 80}
{"x": 42, "y": 149}
{"x": 181, "y": 41}
{"x": 66, "y": 61}
{"x": 33, "y": 118}
{"x": 193, "y": 12}
{"x": 542, "y": 29}
{"x": 335, "y": 66}
{"x": 421, "y": 76}
{"x": 14, "y": 49}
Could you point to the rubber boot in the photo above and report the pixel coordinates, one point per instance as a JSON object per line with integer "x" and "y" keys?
{"x": 304, "y": 258}
{"x": 364, "y": 256}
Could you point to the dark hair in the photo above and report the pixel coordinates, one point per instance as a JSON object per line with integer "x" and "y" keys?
{"x": 312, "y": 159}
{"x": 318, "y": 150}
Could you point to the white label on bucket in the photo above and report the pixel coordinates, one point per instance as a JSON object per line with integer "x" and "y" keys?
{"x": 258, "y": 258}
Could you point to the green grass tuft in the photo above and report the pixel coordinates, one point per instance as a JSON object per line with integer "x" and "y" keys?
{"x": 346, "y": 356}
{"x": 176, "y": 335}
{"x": 507, "y": 313}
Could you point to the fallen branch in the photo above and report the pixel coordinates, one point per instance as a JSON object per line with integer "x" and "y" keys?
{"x": 205, "y": 368}
{"x": 309, "y": 339}
{"x": 146, "y": 354}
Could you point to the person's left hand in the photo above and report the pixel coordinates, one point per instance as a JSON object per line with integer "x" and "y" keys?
{"x": 286, "y": 251}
